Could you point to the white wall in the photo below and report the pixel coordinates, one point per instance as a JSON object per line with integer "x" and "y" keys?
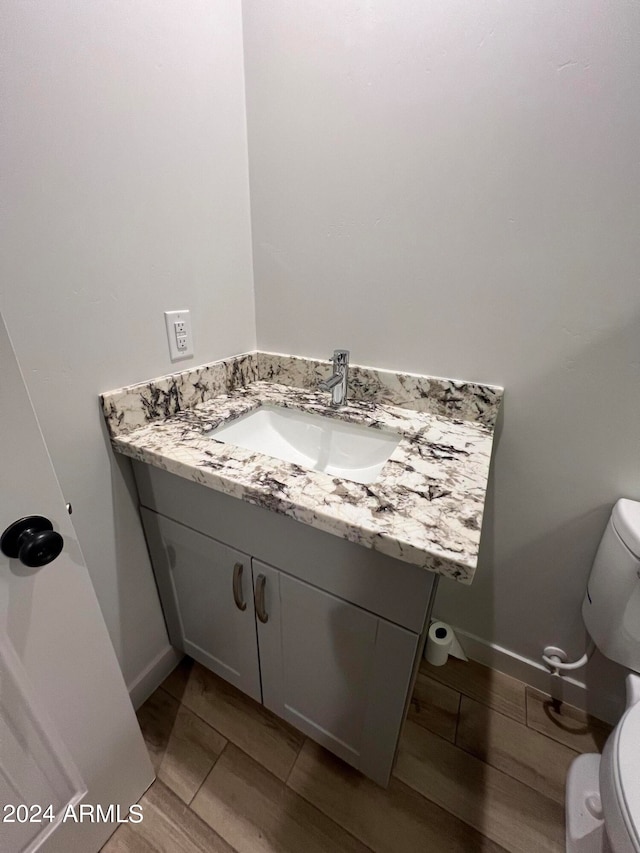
{"x": 446, "y": 187}
{"x": 452, "y": 187}
{"x": 125, "y": 194}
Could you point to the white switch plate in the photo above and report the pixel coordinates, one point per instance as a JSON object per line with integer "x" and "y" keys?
{"x": 179, "y": 335}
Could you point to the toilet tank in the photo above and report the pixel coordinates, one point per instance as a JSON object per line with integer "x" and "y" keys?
{"x": 611, "y": 606}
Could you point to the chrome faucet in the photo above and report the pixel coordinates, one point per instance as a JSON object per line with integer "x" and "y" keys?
{"x": 337, "y": 383}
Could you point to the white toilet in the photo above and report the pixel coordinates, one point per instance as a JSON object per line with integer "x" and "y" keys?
{"x": 603, "y": 795}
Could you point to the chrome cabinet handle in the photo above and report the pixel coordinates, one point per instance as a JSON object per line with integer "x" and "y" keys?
{"x": 237, "y": 587}
{"x": 262, "y": 613}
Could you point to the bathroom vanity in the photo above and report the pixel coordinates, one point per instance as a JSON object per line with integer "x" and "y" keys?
{"x": 308, "y": 590}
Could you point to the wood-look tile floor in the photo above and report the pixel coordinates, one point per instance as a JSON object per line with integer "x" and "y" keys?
{"x": 481, "y": 767}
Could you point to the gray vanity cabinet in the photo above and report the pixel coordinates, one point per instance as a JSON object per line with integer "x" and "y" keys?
{"x": 334, "y": 671}
{"x": 331, "y": 635}
{"x": 201, "y": 583}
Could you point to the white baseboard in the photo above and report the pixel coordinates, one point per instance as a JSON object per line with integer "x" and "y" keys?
{"x": 531, "y": 672}
{"x": 153, "y": 675}
{"x": 535, "y": 674}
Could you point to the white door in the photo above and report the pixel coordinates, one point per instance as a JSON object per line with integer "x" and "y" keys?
{"x": 69, "y": 738}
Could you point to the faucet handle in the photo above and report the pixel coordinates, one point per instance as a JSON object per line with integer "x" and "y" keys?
{"x": 340, "y": 356}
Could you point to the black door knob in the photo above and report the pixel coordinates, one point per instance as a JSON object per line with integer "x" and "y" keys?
{"x": 32, "y": 540}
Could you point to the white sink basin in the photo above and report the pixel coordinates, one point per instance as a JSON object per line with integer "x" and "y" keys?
{"x": 312, "y": 441}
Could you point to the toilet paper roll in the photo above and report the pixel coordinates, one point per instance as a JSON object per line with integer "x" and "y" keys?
{"x": 439, "y": 642}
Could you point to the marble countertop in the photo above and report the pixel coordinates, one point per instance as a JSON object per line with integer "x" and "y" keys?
{"x": 425, "y": 507}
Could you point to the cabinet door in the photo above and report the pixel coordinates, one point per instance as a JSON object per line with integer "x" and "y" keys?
{"x": 195, "y": 577}
{"x": 336, "y": 672}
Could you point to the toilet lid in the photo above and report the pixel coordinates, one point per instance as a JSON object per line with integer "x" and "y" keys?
{"x": 628, "y": 771}
{"x": 626, "y": 520}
